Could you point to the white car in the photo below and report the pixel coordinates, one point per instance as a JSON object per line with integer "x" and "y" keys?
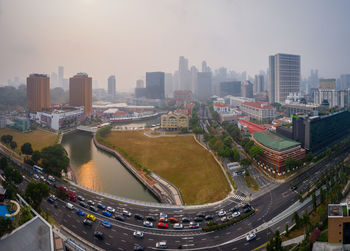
{"x": 178, "y": 226}
{"x": 148, "y": 224}
{"x": 163, "y": 215}
{"x": 161, "y": 244}
{"x": 138, "y": 234}
{"x": 224, "y": 219}
{"x": 222, "y": 213}
{"x": 111, "y": 210}
{"x": 126, "y": 213}
{"x": 236, "y": 214}
{"x": 251, "y": 237}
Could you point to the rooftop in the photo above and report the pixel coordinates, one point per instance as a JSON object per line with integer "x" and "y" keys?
{"x": 259, "y": 105}
{"x": 220, "y": 105}
{"x": 337, "y": 210}
{"x": 252, "y": 127}
{"x": 274, "y": 141}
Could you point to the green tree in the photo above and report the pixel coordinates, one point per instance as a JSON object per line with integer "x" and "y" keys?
{"x": 6, "y": 226}
{"x": 309, "y": 156}
{"x": 245, "y": 163}
{"x": 36, "y": 155}
{"x": 13, "y": 145}
{"x": 6, "y": 138}
{"x": 26, "y": 215}
{"x": 275, "y": 243}
{"x": 287, "y": 229}
{"x": 255, "y": 151}
{"x": 27, "y": 148}
{"x": 35, "y": 192}
{"x": 322, "y": 195}
{"x": 228, "y": 141}
{"x": 54, "y": 159}
{"x": 290, "y": 163}
{"x": 104, "y": 131}
{"x": 3, "y": 163}
{"x": 296, "y": 219}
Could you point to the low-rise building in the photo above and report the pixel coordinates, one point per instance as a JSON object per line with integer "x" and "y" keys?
{"x": 2, "y": 122}
{"x": 61, "y": 119}
{"x": 221, "y": 107}
{"x": 22, "y": 124}
{"x": 276, "y": 150}
{"x": 260, "y": 111}
{"x": 183, "y": 96}
{"x": 251, "y": 127}
{"x": 174, "y": 121}
{"x": 237, "y": 101}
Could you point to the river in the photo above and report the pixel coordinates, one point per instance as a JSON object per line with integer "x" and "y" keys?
{"x": 101, "y": 171}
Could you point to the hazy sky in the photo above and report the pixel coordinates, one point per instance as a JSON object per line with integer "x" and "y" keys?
{"x": 129, "y": 37}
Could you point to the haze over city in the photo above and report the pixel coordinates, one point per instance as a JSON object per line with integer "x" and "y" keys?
{"x": 129, "y": 38}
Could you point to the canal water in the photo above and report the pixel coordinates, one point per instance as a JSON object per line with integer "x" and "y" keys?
{"x": 101, "y": 171}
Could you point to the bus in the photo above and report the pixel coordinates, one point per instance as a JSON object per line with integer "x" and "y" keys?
{"x": 38, "y": 169}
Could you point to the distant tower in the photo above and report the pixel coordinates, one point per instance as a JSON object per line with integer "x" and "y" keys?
{"x": 204, "y": 66}
{"x": 80, "y": 91}
{"x": 111, "y": 86}
{"x": 140, "y": 83}
{"x": 155, "y": 85}
{"x": 38, "y": 92}
{"x": 247, "y": 89}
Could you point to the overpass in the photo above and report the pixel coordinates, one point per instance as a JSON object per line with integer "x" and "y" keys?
{"x": 87, "y": 129}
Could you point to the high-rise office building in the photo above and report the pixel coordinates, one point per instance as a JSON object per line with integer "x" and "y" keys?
{"x": 60, "y": 74}
{"x": 345, "y": 81}
{"x": 284, "y": 76}
{"x": 140, "y": 83}
{"x": 194, "y": 74}
{"x": 204, "y": 87}
{"x": 80, "y": 91}
{"x": 328, "y": 83}
{"x": 259, "y": 83}
{"x": 184, "y": 74}
{"x": 232, "y": 88}
{"x": 155, "y": 85}
{"x": 111, "y": 86}
{"x": 205, "y": 67}
{"x": 169, "y": 86}
{"x": 247, "y": 89}
{"x": 38, "y": 92}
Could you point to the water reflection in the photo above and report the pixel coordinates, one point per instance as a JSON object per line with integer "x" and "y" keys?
{"x": 101, "y": 171}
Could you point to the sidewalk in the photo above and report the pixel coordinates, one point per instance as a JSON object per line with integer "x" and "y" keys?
{"x": 296, "y": 240}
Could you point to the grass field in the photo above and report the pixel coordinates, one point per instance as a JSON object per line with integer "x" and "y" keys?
{"x": 38, "y": 138}
{"x": 180, "y": 160}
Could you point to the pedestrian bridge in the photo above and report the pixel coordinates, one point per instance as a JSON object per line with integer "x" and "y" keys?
{"x": 87, "y": 129}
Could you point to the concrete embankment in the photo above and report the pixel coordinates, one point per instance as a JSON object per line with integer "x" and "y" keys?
{"x": 156, "y": 189}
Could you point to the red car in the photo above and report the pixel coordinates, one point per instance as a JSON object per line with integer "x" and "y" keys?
{"x": 173, "y": 220}
{"x": 162, "y": 225}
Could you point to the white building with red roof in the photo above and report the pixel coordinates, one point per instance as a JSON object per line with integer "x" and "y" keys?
{"x": 221, "y": 108}
{"x": 261, "y": 111}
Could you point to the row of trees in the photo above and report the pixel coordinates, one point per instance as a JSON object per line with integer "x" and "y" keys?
{"x": 222, "y": 145}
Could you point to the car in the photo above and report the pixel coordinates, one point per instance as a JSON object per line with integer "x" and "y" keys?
{"x": 92, "y": 208}
{"x": 50, "y": 200}
{"x": 91, "y": 217}
{"x": 101, "y": 206}
{"x": 53, "y": 196}
{"x": 162, "y": 225}
{"x": 81, "y": 198}
{"x": 79, "y": 212}
{"x": 163, "y": 219}
{"x": 83, "y": 204}
{"x": 247, "y": 209}
{"x": 200, "y": 214}
{"x": 173, "y": 220}
{"x": 198, "y": 219}
{"x": 251, "y": 236}
{"x": 106, "y": 224}
{"x": 70, "y": 206}
{"x": 148, "y": 224}
{"x": 163, "y": 215}
{"x": 119, "y": 218}
{"x": 106, "y": 213}
{"x": 236, "y": 214}
{"x": 111, "y": 210}
{"x": 138, "y": 217}
{"x": 194, "y": 225}
{"x": 49, "y": 182}
{"x": 98, "y": 235}
{"x": 178, "y": 226}
{"x": 186, "y": 220}
{"x": 224, "y": 219}
{"x": 138, "y": 234}
{"x": 126, "y": 213}
{"x": 150, "y": 218}
{"x": 161, "y": 244}
{"x": 51, "y": 178}
{"x": 90, "y": 202}
{"x": 234, "y": 209}
{"x": 36, "y": 176}
{"x": 208, "y": 217}
{"x": 139, "y": 248}
{"x": 222, "y": 213}
{"x": 87, "y": 222}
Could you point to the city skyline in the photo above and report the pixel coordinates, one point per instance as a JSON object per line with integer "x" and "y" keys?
{"x": 111, "y": 46}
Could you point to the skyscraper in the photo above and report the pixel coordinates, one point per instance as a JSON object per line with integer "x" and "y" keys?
{"x": 60, "y": 74}
{"x": 247, "y": 89}
{"x": 204, "y": 67}
{"x": 140, "y": 83}
{"x": 168, "y": 82}
{"x": 232, "y": 88}
{"x": 327, "y": 83}
{"x": 345, "y": 81}
{"x": 111, "y": 86}
{"x": 155, "y": 85}
{"x": 38, "y": 92}
{"x": 204, "y": 88}
{"x": 259, "y": 83}
{"x": 80, "y": 91}
{"x": 184, "y": 74}
{"x": 284, "y": 76}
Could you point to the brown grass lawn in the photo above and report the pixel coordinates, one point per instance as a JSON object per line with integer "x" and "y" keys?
{"x": 38, "y": 138}
{"x": 178, "y": 159}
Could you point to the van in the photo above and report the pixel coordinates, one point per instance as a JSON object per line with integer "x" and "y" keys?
{"x": 70, "y": 206}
